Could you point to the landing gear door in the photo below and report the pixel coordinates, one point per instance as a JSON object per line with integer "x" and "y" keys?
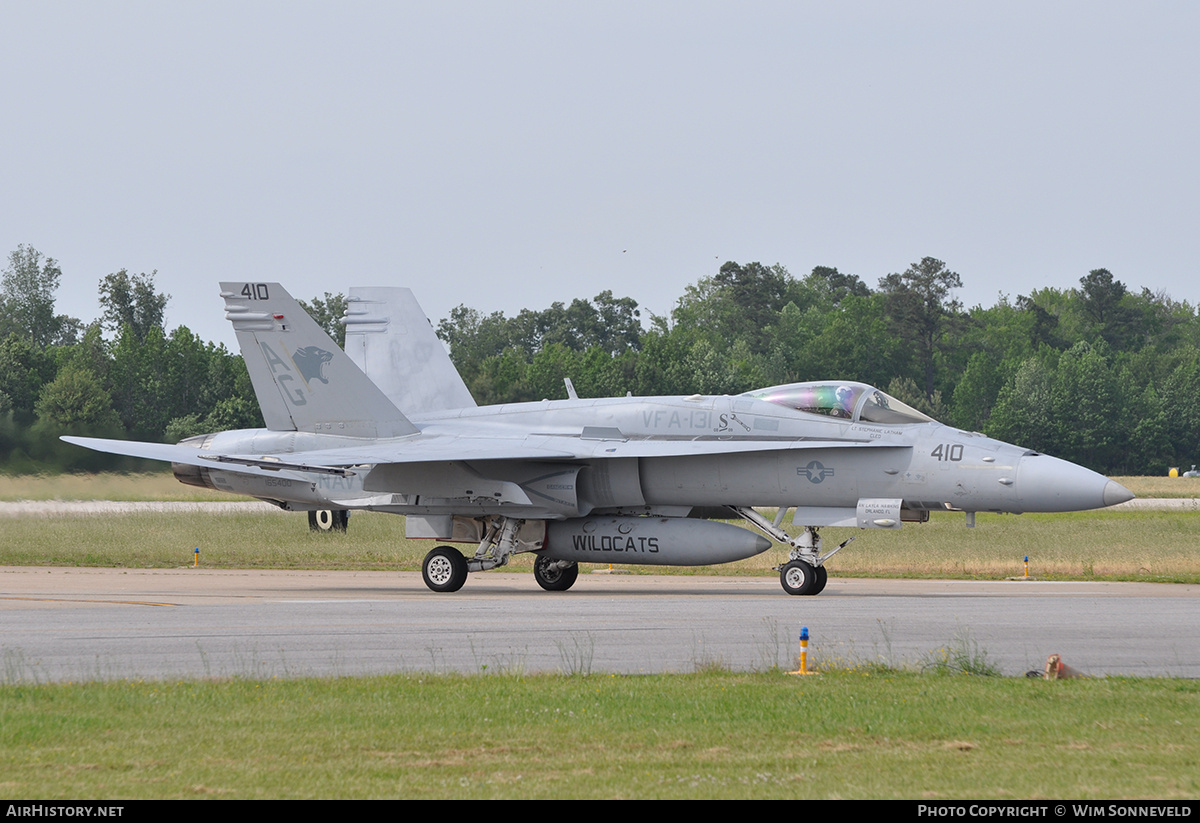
{"x": 878, "y": 513}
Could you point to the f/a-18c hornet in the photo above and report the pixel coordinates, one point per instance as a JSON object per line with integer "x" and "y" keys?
{"x": 632, "y": 480}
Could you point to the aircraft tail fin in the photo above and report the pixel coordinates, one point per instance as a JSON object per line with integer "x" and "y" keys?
{"x": 303, "y": 381}
{"x": 389, "y": 337}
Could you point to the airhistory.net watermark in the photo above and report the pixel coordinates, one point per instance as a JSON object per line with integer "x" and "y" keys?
{"x": 64, "y": 810}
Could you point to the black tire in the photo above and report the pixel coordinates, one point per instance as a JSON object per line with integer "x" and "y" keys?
{"x": 798, "y": 577}
{"x": 329, "y": 520}
{"x": 822, "y": 579}
{"x": 554, "y": 579}
{"x": 444, "y": 569}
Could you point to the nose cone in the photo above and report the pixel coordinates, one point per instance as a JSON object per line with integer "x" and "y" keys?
{"x": 1047, "y": 484}
{"x": 1115, "y": 493}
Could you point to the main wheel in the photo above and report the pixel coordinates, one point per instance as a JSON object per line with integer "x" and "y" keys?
{"x": 822, "y": 579}
{"x": 329, "y": 520}
{"x": 444, "y": 569}
{"x": 551, "y": 577}
{"x": 798, "y": 577}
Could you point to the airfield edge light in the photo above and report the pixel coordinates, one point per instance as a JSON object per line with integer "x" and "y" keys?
{"x": 803, "y": 653}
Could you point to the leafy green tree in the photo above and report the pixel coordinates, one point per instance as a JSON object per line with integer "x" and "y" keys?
{"x": 1023, "y": 412}
{"x": 474, "y": 337}
{"x": 740, "y": 302}
{"x": 189, "y": 372}
{"x": 1042, "y": 325}
{"x": 135, "y": 380}
{"x": 857, "y": 343}
{"x": 1077, "y": 407}
{"x": 131, "y": 300}
{"x": 485, "y": 347}
{"x": 620, "y": 326}
{"x": 27, "y": 289}
{"x": 24, "y": 369}
{"x": 1106, "y": 309}
{"x": 502, "y": 378}
{"x": 181, "y": 428}
{"x": 76, "y": 401}
{"x": 1160, "y": 322}
{"x": 1150, "y": 449}
{"x": 601, "y": 374}
{"x": 159, "y": 380}
{"x": 976, "y": 392}
{"x": 329, "y": 313}
{"x": 235, "y": 412}
{"x": 659, "y": 369}
{"x": 90, "y": 352}
{"x": 1181, "y": 396}
{"x": 905, "y": 390}
{"x": 837, "y": 285}
{"x": 1090, "y": 409}
{"x": 923, "y": 312}
{"x": 548, "y": 368}
{"x": 793, "y": 352}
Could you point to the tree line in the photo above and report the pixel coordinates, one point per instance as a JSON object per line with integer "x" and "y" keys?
{"x": 1099, "y": 374}
{"x": 122, "y": 375}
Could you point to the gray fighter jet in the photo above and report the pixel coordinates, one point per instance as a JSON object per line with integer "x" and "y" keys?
{"x": 632, "y": 480}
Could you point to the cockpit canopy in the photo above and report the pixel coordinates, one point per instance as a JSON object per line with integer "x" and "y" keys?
{"x": 850, "y": 401}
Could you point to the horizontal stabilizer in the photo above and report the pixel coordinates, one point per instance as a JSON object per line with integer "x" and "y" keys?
{"x": 189, "y": 456}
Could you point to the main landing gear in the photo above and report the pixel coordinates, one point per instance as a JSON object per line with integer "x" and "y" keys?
{"x": 329, "y": 520}
{"x": 445, "y": 569}
{"x": 804, "y": 573}
{"x": 555, "y": 575}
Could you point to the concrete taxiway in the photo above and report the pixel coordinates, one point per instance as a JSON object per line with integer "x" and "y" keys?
{"x": 71, "y": 624}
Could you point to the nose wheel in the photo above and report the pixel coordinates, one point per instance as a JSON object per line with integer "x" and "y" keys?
{"x": 444, "y": 569}
{"x": 800, "y": 578}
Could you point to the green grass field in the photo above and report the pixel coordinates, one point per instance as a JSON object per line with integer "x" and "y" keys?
{"x": 871, "y": 733}
{"x": 105, "y": 486}
{"x": 1132, "y": 545}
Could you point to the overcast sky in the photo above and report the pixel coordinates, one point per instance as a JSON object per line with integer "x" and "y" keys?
{"x": 510, "y": 154}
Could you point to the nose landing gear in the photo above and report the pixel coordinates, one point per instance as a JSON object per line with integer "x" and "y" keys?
{"x": 799, "y": 577}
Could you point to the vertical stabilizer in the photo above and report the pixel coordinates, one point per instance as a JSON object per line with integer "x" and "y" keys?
{"x": 303, "y": 381}
{"x": 389, "y": 337}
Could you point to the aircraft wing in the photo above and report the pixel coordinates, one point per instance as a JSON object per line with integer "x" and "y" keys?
{"x": 325, "y": 461}
{"x": 439, "y": 448}
{"x": 264, "y": 466}
{"x": 691, "y": 447}
{"x": 551, "y": 447}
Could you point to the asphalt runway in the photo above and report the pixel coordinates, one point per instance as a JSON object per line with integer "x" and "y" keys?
{"x": 106, "y": 624}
